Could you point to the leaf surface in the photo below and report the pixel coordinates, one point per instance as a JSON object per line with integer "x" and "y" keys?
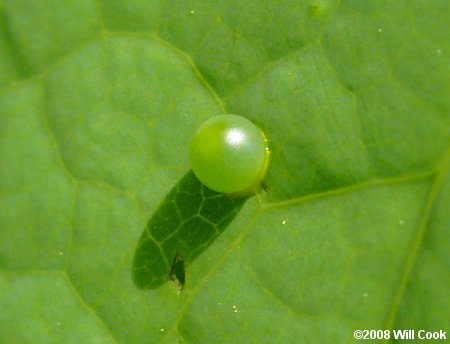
{"x": 99, "y": 100}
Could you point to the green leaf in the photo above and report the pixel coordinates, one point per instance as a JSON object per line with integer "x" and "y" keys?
{"x": 99, "y": 100}
{"x": 186, "y": 222}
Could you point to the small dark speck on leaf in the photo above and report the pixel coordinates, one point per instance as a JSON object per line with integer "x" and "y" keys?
{"x": 177, "y": 274}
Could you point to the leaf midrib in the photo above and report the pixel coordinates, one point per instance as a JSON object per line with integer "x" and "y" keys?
{"x": 441, "y": 172}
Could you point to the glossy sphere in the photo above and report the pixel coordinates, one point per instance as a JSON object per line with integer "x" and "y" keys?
{"x": 228, "y": 154}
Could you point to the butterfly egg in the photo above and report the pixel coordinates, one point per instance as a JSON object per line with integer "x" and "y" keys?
{"x": 229, "y": 154}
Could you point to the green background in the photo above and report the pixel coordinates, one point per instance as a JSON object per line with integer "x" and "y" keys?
{"x": 98, "y": 102}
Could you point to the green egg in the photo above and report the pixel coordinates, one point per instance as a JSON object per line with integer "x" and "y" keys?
{"x": 228, "y": 154}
